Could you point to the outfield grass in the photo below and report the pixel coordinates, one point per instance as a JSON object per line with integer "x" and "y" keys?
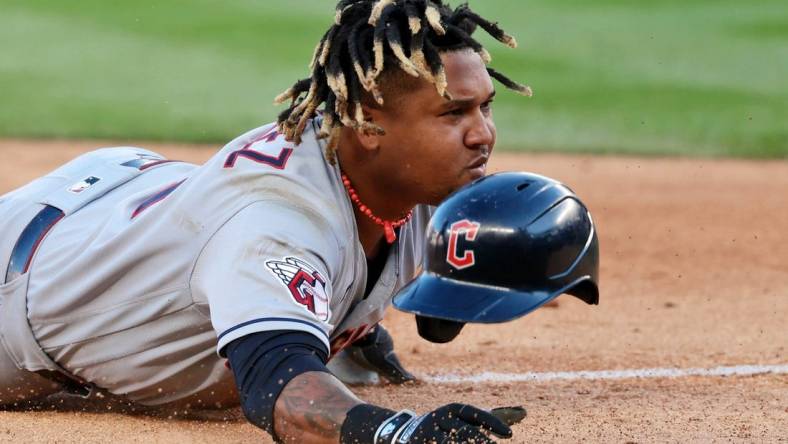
{"x": 686, "y": 77}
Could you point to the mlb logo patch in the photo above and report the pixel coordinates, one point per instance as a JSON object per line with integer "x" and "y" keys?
{"x": 83, "y": 184}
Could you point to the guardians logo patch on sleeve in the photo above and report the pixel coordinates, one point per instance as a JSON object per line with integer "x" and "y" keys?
{"x": 307, "y": 286}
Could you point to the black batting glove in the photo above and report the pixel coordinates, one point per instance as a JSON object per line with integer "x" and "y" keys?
{"x": 452, "y": 423}
{"x": 377, "y": 351}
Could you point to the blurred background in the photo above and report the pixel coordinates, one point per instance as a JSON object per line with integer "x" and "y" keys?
{"x": 659, "y": 77}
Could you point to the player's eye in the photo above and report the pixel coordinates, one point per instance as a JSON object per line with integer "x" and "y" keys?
{"x": 487, "y": 106}
{"x": 454, "y": 112}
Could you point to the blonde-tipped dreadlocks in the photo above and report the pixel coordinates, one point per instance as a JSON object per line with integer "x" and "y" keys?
{"x": 368, "y": 37}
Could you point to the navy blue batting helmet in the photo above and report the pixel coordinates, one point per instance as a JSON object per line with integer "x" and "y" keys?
{"x": 503, "y": 246}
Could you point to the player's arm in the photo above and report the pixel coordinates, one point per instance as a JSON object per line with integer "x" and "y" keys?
{"x": 312, "y": 408}
{"x": 317, "y": 408}
{"x": 286, "y": 389}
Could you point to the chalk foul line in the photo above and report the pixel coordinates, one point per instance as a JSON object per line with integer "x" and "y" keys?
{"x": 737, "y": 370}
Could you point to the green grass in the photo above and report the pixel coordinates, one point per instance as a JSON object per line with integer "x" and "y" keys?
{"x": 689, "y": 77}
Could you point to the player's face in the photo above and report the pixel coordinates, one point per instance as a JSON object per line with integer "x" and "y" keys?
{"x": 434, "y": 145}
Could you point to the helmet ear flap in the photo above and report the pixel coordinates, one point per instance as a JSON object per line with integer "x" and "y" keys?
{"x": 437, "y": 330}
{"x": 586, "y": 291}
{"x": 587, "y": 288}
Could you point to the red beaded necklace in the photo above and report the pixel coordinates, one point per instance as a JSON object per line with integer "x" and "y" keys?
{"x": 388, "y": 225}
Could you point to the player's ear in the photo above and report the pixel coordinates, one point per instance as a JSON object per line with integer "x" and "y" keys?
{"x": 369, "y": 139}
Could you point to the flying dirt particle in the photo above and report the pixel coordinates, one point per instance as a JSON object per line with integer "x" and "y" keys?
{"x": 670, "y": 305}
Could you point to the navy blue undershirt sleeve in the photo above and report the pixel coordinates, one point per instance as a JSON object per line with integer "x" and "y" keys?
{"x": 263, "y": 363}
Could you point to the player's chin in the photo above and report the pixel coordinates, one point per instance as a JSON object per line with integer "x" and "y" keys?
{"x": 464, "y": 178}
{"x": 476, "y": 172}
{"x": 469, "y": 174}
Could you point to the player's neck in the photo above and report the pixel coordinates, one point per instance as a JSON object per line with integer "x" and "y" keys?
{"x": 381, "y": 200}
{"x": 369, "y": 234}
{"x": 371, "y": 225}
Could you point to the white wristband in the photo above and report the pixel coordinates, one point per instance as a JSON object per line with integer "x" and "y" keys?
{"x": 391, "y": 428}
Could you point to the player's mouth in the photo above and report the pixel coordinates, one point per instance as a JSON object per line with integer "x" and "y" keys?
{"x": 478, "y": 166}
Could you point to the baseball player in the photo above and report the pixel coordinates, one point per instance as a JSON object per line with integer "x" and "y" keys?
{"x": 238, "y": 280}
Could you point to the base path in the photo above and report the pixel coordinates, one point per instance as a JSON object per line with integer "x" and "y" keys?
{"x": 694, "y": 303}
{"x": 647, "y": 373}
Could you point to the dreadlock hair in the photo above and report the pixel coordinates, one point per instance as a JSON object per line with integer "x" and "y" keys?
{"x": 369, "y": 39}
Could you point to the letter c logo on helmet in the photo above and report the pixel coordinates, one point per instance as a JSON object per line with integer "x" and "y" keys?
{"x": 468, "y": 230}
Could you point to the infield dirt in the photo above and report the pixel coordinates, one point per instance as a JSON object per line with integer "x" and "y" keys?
{"x": 694, "y": 273}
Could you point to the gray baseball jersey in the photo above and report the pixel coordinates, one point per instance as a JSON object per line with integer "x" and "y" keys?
{"x": 157, "y": 265}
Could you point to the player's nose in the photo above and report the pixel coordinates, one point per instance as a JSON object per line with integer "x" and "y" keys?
{"x": 481, "y": 133}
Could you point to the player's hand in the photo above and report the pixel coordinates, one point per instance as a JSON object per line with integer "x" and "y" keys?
{"x": 452, "y": 423}
{"x": 376, "y": 352}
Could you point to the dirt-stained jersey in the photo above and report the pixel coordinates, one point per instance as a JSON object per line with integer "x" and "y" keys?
{"x": 154, "y": 260}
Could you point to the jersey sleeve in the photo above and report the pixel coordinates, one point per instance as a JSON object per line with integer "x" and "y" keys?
{"x": 268, "y": 268}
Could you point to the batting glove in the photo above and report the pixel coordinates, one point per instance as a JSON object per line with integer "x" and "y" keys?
{"x": 375, "y": 351}
{"x": 452, "y": 423}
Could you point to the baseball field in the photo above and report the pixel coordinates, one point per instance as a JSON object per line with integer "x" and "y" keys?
{"x": 667, "y": 118}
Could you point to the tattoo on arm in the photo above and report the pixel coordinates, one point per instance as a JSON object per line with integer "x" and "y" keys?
{"x": 312, "y": 408}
